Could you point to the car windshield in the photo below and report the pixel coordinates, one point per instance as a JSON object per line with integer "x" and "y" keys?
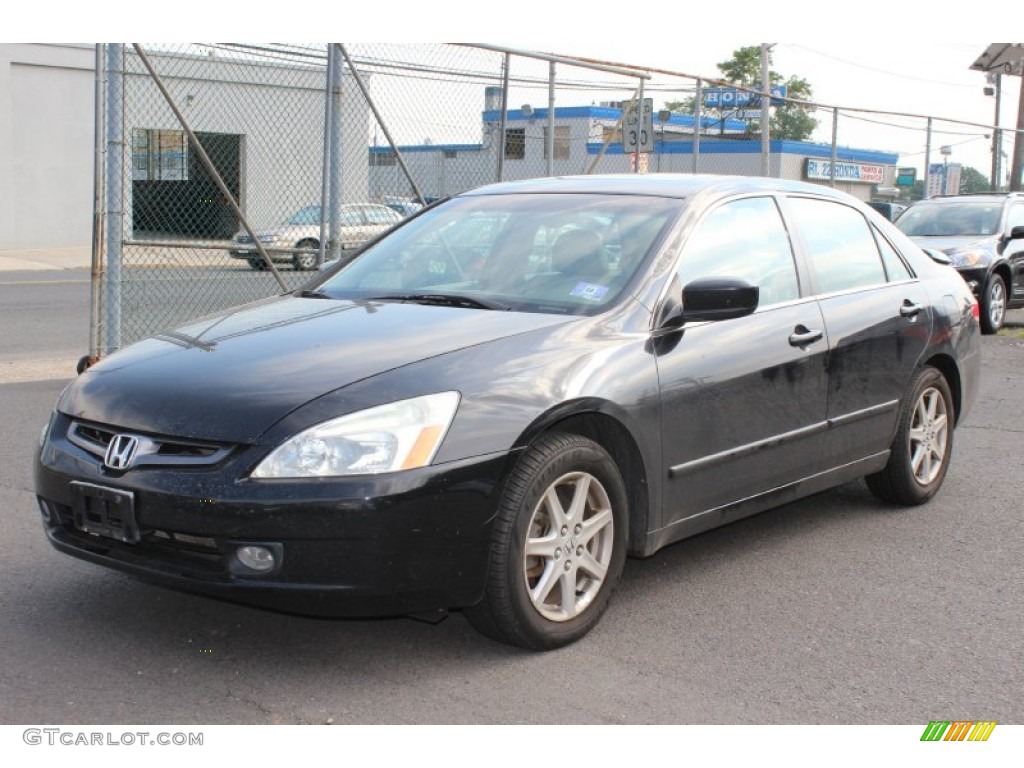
{"x": 560, "y": 253}
{"x": 950, "y": 219}
{"x": 308, "y": 215}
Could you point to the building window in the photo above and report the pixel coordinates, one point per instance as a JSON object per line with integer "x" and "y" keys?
{"x": 610, "y": 135}
{"x": 515, "y": 143}
{"x": 382, "y": 158}
{"x": 159, "y": 155}
{"x": 561, "y": 151}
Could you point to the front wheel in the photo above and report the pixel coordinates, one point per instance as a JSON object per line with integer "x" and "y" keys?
{"x": 923, "y": 445}
{"x": 993, "y": 305}
{"x": 559, "y": 545}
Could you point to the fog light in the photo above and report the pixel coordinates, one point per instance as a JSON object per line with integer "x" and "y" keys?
{"x": 44, "y": 510}
{"x": 259, "y": 559}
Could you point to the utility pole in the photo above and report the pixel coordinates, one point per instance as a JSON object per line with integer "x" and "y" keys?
{"x": 996, "y": 80}
{"x": 1018, "y": 144}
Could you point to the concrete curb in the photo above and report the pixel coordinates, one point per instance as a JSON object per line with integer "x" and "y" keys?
{"x": 45, "y": 259}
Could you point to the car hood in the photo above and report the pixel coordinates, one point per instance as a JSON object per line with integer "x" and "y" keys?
{"x": 951, "y": 244}
{"x": 230, "y": 377}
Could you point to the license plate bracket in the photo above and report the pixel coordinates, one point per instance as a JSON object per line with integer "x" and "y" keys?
{"x": 107, "y": 512}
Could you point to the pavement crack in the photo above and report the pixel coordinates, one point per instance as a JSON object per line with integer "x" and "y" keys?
{"x": 989, "y": 428}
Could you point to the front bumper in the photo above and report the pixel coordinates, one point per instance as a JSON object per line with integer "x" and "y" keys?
{"x": 410, "y": 542}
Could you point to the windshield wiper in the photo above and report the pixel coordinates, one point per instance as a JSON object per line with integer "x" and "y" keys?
{"x": 445, "y": 300}
{"x": 313, "y": 295}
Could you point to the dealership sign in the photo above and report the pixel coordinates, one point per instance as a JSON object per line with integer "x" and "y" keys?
{"x": 731, "y": 98}
{"x": 821, "y": 170}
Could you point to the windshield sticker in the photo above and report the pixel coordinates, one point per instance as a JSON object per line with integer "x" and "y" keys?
{"x": 589, "y": 291}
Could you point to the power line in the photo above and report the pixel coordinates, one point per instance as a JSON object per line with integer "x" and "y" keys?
{"x": 876, "y": 69}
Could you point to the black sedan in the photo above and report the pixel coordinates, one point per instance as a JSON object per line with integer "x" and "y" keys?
{"x": 493, "y": 405}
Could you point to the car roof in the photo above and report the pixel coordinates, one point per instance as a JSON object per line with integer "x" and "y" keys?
{"x": 676, "y": 185}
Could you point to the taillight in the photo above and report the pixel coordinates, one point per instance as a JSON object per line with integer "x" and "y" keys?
{"x": 975, "y": 309}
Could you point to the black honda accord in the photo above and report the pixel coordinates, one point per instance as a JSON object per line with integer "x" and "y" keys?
{"x": 494, "y": 404}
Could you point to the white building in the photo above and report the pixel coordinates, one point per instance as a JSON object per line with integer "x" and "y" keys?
{"x": 261, "y": 122}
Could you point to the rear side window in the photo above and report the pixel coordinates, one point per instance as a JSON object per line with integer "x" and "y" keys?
{"x": 744, "y": 239}
{"x": 840, "y": 247}
{"x": 895, "y": 269}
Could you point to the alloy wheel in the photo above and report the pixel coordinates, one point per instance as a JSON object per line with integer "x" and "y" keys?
{"x": 929, "y": 431}
{"x": 569, "y": 545}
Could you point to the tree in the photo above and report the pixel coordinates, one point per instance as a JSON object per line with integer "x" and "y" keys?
{"x": 791, "y": 121}
{"x": 973, "y": 180}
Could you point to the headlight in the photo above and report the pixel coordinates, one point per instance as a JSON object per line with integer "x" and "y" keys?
{"x": 967, "y": 258}
{"x": 401, "y": 435}
{"x": 267, "y": 239}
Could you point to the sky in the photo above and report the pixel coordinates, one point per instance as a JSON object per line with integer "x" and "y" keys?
{"x": 909, "y": 56}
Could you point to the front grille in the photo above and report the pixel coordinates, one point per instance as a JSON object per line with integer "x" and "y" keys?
{"x": 155, "y": 450}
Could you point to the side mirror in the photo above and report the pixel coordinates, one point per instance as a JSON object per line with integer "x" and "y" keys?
{"x": 1017, "y": 233}
{"x": 719, "y": 298}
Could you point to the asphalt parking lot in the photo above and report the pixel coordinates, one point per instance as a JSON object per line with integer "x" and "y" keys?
{"x": 836, "y": 609}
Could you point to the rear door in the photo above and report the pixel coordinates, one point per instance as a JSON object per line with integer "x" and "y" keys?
{"x": 878, "y": 319}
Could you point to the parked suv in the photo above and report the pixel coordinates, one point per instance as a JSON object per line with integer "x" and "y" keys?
{"x": 983, "y": 235}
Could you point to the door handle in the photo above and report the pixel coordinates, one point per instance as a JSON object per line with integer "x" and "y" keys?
{"x": 802, "y": 336}
{"x": 910, "y": 310}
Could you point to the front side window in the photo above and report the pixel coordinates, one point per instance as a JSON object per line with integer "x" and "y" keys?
{"x": 840, "y": 247}
{"x": 744, "y": 239}
{"x": 1015, "y": 217}
{"x": 305, "y": 216}
{"x": 377, "y": 214}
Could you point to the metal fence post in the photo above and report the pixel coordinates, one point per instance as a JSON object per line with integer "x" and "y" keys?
{"x": 927, "y": 160}
{"x": 697, "y": 120}
{"x": 96, "y": 283}
{"x": 115, "y": 196}
{"x": 835, "y": 150}
{"x": 334, "y": 185}
{"x": 550, "y": 141}
{"x": 325, "y": 168}
{"x": 766, "y": 111}
{"x": 503, "y": 120}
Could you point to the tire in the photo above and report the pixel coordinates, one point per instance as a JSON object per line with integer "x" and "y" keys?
{"x": 304, "y": 262}
{"x": 993, "y": 305}
{"x": 557, "y": 593}
{"x": 257, "y": 263}
{"x": 923, "y": 445}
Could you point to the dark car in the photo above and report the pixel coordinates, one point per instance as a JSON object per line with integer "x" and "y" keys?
{"x": 890, "y": 210}
{"x": 493, "y": 405}
{"x": 983, "y": 235}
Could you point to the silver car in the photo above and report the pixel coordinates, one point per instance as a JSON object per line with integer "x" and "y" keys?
{"x": 297, "y": 239}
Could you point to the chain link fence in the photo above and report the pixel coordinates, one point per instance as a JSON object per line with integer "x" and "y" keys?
{"x": 233, "y": 170}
